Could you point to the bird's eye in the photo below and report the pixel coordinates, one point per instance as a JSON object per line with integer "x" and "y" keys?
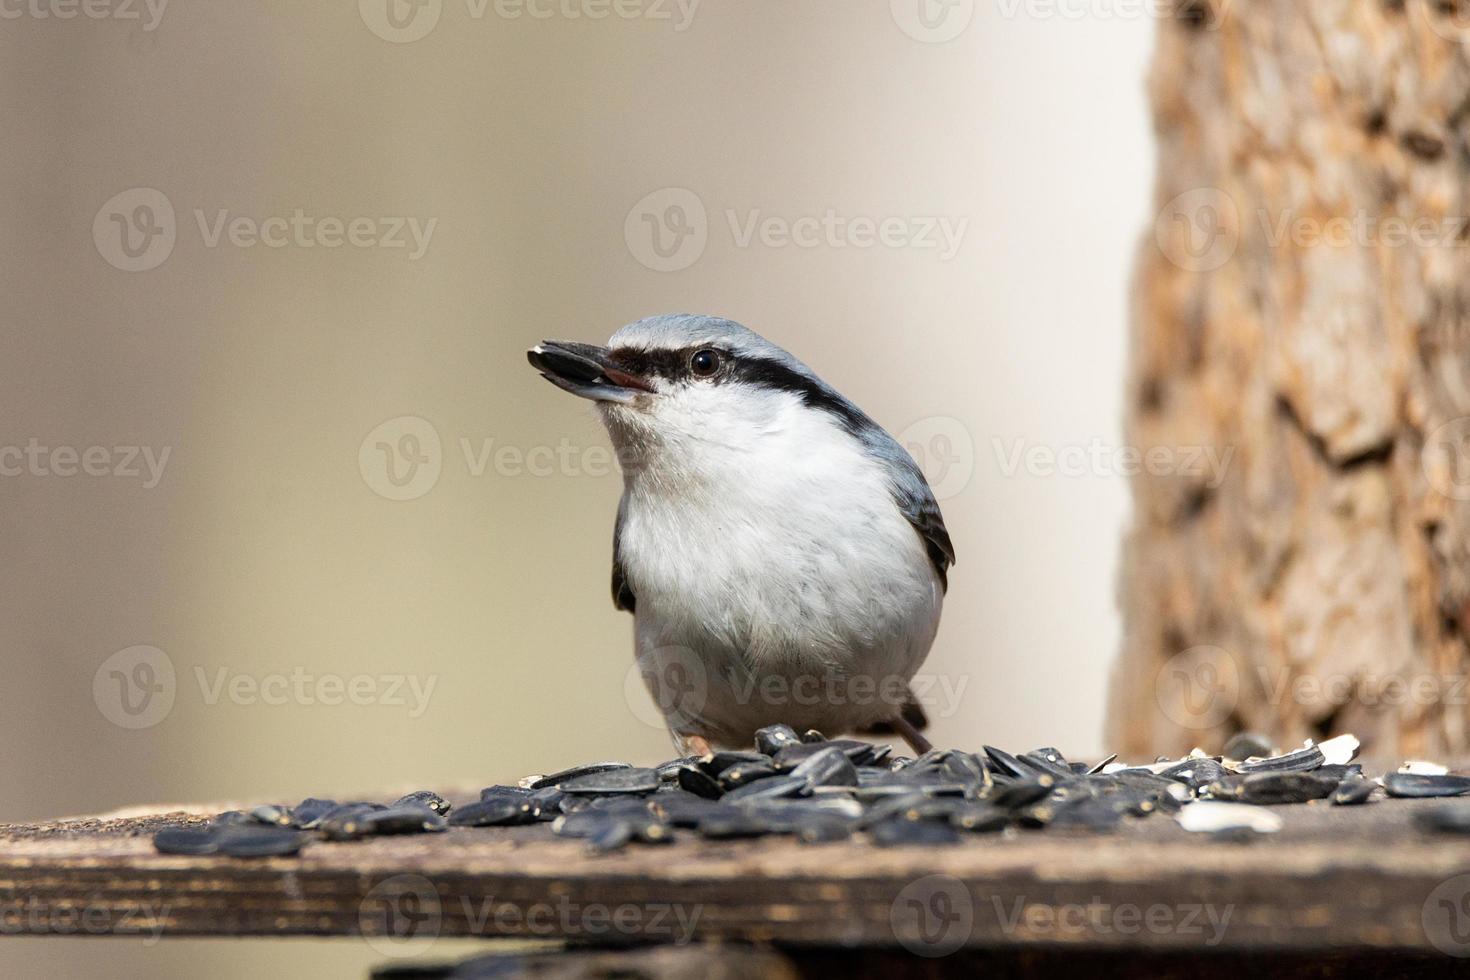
{"x": 704, "y": 363}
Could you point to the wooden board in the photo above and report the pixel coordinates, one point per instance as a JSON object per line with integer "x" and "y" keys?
{"x": 1335, "y": 877}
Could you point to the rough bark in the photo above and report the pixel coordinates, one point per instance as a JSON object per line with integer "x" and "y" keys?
{"x": 1301, "y": 311}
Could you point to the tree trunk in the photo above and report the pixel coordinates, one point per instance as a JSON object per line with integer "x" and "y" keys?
{"x": 1299, "y": 562}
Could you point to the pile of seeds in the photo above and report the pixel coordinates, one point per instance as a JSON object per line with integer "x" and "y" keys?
{"x": 818, "y": 790}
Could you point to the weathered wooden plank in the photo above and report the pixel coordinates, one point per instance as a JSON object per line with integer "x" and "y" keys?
{"x": 1357, "y": 877}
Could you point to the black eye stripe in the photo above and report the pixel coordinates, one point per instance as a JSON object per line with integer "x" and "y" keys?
{"x": 671, "y": 364}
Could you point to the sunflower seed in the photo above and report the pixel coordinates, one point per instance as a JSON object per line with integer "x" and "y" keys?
{"x": 243, "y": 840}
{"x": 1413, "y": 786}
{"x": 980, "y": 818}
{"x": 1419, "y": 767}
{"x": 186, "y": 840}
{"x": 731, "y": 824}
{"x": 745, "y": 773}
{"x": 1301, "y": 760}
{"x": 491, "y": 813}
{"x": 684, "y": 810}
{"x": 557, "y": 778}
{"x": 775, "y": 787}
{"x": 1047, "y": 761}
{"x": 1023, "y": 792}
{"x": 403, "y": 820}
{"x": 276, "y": 816}
{"x": 426, "y": 799}
{"x": 505, "y": 793}
{"x": 610, "y": 781}
{"x": 772, "y": 739}
{"x": 906, "y": 833}
{"x": 824, "y": 830}
{"x": 700, "y": 783}
{"x": 1269, "y": 788}
{"x": 1248, "y": 746}
{"x": 812, "y": 735}
{"x": 713, "y": 765}
{"x": 613, "y": 835}
{"x": 829, "y": 767}
{"x": 348, "y": 821}
{"x": 309, "y": 812}
{"x": 1007, "y": 764}
{"x": 1352, "y": 792}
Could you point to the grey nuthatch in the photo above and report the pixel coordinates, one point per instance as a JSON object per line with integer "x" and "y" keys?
{"x": 783, "y": 557}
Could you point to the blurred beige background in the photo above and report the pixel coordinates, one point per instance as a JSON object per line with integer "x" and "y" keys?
{"x": 472, "y": 623}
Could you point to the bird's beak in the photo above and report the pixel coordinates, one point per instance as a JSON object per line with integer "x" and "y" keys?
{"x": 586, "y": 370}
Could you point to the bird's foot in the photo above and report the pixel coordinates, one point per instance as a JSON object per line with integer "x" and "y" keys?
{"x": 693, "y": 744}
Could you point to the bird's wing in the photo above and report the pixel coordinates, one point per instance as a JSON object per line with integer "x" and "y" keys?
{"x": 914, "y": 498}
{"x": 917, "y": 502}
{"x": 622, "y": 592}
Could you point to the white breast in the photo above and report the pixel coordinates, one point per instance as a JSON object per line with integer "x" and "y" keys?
{"x": 777, "y": 552}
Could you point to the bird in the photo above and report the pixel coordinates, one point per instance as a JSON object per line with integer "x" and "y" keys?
{"x": 783, "y": 557}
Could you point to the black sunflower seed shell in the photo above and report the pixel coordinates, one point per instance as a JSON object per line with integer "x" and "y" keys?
{"x": 700, "y": 783}
{"x": 824, "y": 830}
{"x": 1302, "y": 760}
{"x": 1271, "y": 788}
{"x": 980, "y": 818}
{"x": 1248, "y": 746}
{"x": 1353, "y": 792}
{"x": 733, "y": 824}
{"x": 575, "y": 772}
{"x": 773, "y": 738}
{"x": 310, "y": 811}
{"x": 829, "y": 767}
{"x": 745, "y": 773}
{"x": 187, "y": 840}
{"x": 272, "y": 815}
{"x": 612, "y": 781}
{"x": 718, "y": 762}
{"x": 1410, "y": 785}
{"x": 545, "y": 804}
{"x": 913, "y": 833}
{"x": 402, "y": 820}
{"x": 1023, "y": 792}
{"x": 505, "y": 793}
{"x": 491, "y": 813}
{"x": 1007, "y": 764}
{"x": 1048, "y": 761}
{"x": 245, "y": 841}
{"x": 426, "y": 799}
{"x": 612, "y": 836}
{"x": 776, "y": 787}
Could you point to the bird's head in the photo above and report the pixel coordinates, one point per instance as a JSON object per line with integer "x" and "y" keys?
{"x": 686, "y": 380}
